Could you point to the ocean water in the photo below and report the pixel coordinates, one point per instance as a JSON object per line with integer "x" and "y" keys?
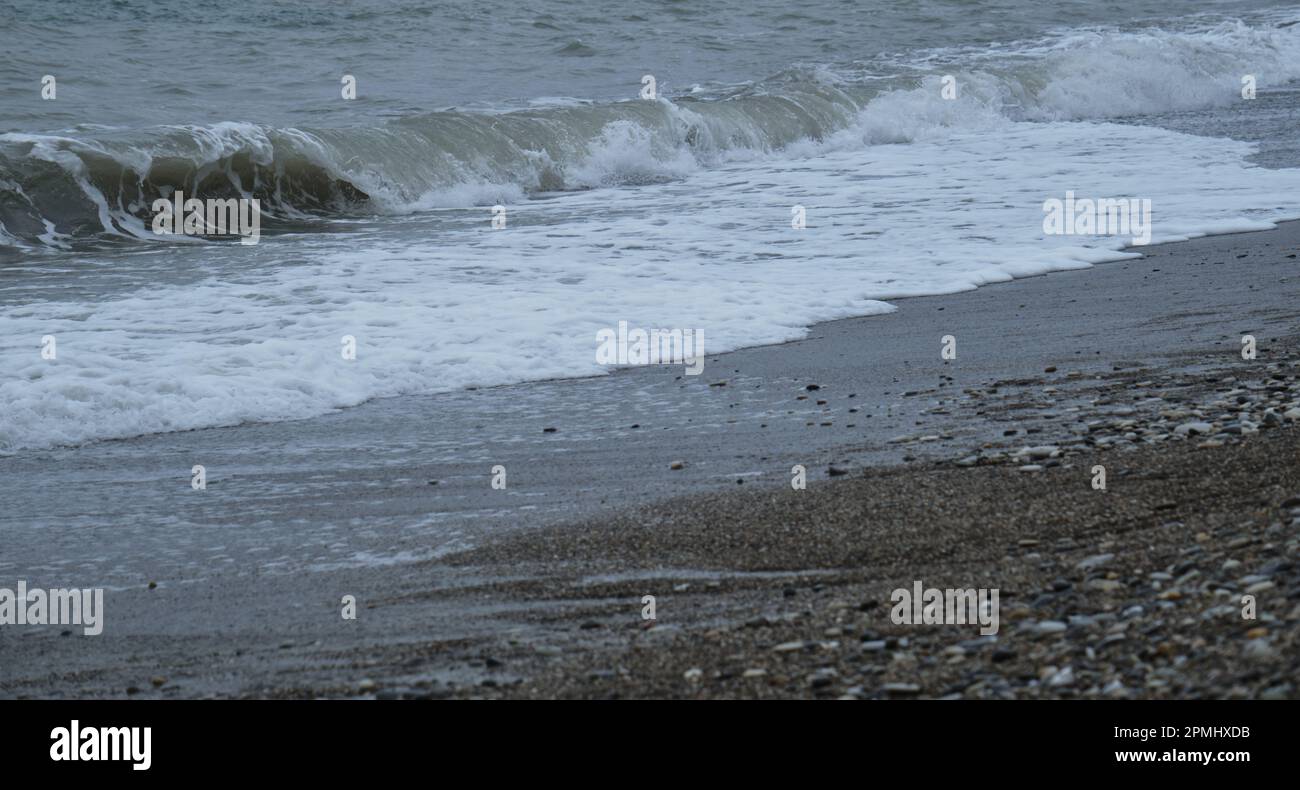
{"x": 669, "y": 212}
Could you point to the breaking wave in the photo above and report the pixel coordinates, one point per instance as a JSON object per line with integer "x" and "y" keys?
{"x": 99, "y": 183}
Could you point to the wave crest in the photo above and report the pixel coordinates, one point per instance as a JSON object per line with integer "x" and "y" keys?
{"x": 100, "y": 184}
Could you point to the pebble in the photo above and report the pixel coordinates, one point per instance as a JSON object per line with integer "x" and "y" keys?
{"x": 1259, "y": 650}
{"x": 1045, "y": 451}
{"x": 1063, "y": 678}
{"x": 1282, "y": 691}
{"x": 1095, "y": 561}
{"x": 901, "y": 689}
{"x": 1105, "y": 585}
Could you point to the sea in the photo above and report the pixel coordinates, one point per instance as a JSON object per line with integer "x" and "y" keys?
{"x": 506, "y": 181}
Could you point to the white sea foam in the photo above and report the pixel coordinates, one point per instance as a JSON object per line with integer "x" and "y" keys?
{"x": 912, "y": 195}
{"x": 476, "y": 306}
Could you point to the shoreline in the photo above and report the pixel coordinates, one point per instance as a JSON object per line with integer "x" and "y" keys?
{"x": 1133, "y": 592}
{"x": 512, "y": 610}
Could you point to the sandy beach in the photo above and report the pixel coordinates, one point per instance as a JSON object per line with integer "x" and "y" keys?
{"x": 966, "y": 472}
